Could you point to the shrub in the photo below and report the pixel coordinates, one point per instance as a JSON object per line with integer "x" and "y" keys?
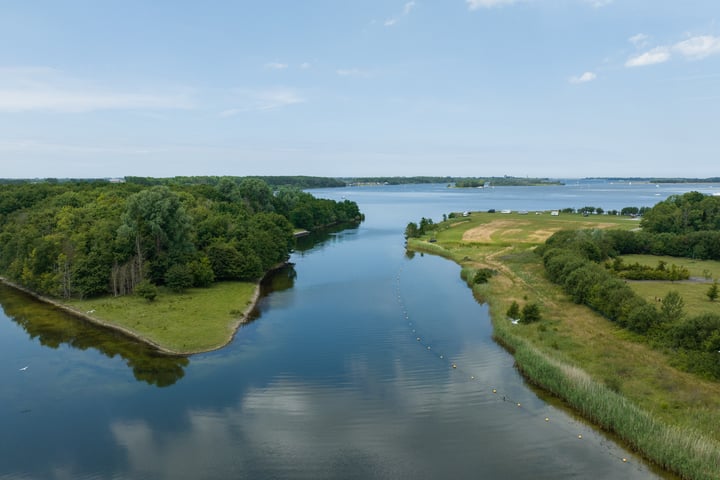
{"x": 530, "y": 313}
{"x": 514, "y": 310}
{"x": 146, "y": 290}
{"x": 179, "y": 277}
{"x": 483, "y": 275}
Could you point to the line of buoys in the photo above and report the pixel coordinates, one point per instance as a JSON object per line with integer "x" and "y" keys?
{"x": 505, "y": 398}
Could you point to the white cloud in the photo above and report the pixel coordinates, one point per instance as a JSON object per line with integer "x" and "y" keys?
{"x": 406, "y": 11}
{"x": 640, "y": 40}
{"x": 584, "y": 78}
{"x": 263, "y": 100}
{"x": 305, "y": 65}
{"x": 698, "y": 47}
{"x": 276, "y": 66}
{"x": 20, "y": 100}
{"x": 24, "y": 89}
{"x": 651, "y": 57}
{"x": 476, "y": 4}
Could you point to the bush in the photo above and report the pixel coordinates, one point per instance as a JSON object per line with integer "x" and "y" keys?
{"x": 514, "y": 310}
{"x": 530, "y": 313}
{"x": 179, "y": 277}
{"x": 146, "y": 290}
{"x": 202, "y": 272}
{"x": 483, "y": 275}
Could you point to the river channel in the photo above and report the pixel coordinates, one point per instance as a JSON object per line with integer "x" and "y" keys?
{"x": 346, "y": 372}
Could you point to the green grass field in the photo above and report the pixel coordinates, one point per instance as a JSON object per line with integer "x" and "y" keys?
{"x": 615, "y": 360}
{"x": 200, "y": 319}
{"x": 693, "y": 291}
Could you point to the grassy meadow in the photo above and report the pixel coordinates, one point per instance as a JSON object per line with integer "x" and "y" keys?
{"x": 625, "y": 385}
{"x": 693, "y": 291}
{"x": 200, "y": 319}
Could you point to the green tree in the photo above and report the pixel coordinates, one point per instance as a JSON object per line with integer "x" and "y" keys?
{"x": 513, "y": 311}
{"x": 179, "y": 277}
{"x": 146, "y": 290}
{"x": 672, "y": 307}
{"x": 202, "y": 272}
{"x": 712, "y": 292}
{"x": 412, "y": 230}
{"x": 530, "y": 313}
{"x": 483, "y": 275}
{"x": 156, "y": 225}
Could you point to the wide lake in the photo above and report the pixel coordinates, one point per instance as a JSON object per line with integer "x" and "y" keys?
{"x": 347, "y": 371}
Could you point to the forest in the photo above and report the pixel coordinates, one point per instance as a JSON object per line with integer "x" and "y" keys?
{"x": 682, "y": 226}
{"x": 88, "y": 238}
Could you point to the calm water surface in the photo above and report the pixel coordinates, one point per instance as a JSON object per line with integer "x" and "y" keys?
{"x": 330, "y": 381}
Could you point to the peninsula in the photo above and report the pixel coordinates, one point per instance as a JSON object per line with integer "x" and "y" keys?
{"x": 175, "y": 263}
{"x": 639, "y": 376}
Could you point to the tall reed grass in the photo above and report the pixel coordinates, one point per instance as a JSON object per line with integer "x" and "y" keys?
{"x": 680, "y": 450}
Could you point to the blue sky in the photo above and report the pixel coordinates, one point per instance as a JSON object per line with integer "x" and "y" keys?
{"x": 560, "y": 88}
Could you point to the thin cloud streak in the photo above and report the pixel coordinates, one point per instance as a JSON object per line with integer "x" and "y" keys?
{"x": 24, "y": 100}
{"x": 584, "y": 78}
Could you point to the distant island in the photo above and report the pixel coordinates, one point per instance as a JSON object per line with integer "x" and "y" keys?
{"x": 457, "y": 182}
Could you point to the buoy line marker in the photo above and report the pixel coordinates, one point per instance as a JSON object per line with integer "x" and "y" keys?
{"x": 508, "y": 399}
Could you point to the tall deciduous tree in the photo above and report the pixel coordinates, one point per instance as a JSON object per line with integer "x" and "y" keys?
{"x": 156, "y": 225}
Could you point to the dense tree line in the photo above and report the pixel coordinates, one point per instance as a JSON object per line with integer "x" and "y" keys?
{"x": 414, "y": 230}
{"x": 573, "y": 259}
{"x": 81, "y": 239}
{"x": 682, "y": 214}
{"x": 298, "y": 181}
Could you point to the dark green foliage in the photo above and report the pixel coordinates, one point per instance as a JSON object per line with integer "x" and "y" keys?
{"x": 701, "y": 332}
{"x": 636, "y": 271}
{"x": 202, "y": 272}
{"x": 179, "y": 277}
{"x": 672, "y": 308}
{"x": 146, "y": 290}
{"x": 82, "y": 239}
{"x": 712, "y": 292}
{"x": 513, "y": 311}
{"x": 483, "y": 275}
{"x": 530, "y": 313}
{"x": 567, "y": 259}
{"x": 412, "y": 230}
{"x": 690, "y": 212}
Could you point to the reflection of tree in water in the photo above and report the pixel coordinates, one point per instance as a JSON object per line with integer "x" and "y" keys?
{"x": 53, "y": 328}
{"x": 320, "y": 237}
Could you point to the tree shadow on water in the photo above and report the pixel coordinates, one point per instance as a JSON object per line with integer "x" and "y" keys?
{"x": 53, "y": 328}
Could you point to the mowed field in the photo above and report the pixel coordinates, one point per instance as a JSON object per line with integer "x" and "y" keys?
{"x": 502, "y": 229}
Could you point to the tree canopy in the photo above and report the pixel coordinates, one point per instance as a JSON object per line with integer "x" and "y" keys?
{"x": 81, "y": 239}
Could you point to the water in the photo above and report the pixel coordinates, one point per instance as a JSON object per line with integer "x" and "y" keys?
{"x": 330, "y": 381}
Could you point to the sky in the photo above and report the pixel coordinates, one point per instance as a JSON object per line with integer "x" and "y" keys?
{"x": 548, "y": 88}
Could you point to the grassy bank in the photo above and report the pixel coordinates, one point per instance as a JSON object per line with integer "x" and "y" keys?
{"x": 197, "y": 320}
{"x": 607, "y": 374}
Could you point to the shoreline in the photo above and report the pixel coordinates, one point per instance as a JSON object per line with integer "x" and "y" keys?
{"x": 676, "y": 448}
{"x": 233, "y": 326}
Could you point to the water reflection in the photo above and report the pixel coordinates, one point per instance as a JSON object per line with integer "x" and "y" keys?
{"x": 53, "y": 328}
{"x": 328, "y": 235}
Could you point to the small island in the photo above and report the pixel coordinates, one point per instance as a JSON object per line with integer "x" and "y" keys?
{"x": 614, "y": 315}
{"x": 175, "y": 263}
